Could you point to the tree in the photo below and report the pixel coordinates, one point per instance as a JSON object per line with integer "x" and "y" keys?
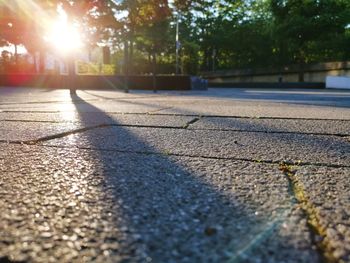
{"x": 214, "y": 34}
{"x": 303, "y": 27}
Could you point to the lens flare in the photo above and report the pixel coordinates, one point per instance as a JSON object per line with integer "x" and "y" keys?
{"x": 64, "y": 37}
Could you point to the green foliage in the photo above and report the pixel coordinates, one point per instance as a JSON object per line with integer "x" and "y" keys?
{"x": 84, "y": 68}
{"x": 309, "y": 30}
{"x": 190, "y": 58}
{"x": 214, "y": 34}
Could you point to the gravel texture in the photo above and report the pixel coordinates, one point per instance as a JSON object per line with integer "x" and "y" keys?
{"x": 69, "y": 204}
{"x": 105, "y": 106}
{"x": 216, "y": 107}
{"x": 153, "y": 178}
{"x": 100, "y": 118}
{"x": 340, "y": 127}
{"x": 218, "y": 144}
{"x": 319, "y": 104}
{"x": 25, "y": 131}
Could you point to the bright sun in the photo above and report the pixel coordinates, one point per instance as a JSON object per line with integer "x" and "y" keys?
{"x": 63, "y": 36}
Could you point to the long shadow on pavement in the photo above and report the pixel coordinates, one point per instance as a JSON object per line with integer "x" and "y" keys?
{"x": 180, "y": 209}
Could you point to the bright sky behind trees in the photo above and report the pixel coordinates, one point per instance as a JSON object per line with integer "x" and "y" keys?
{"x": 214, "y": 34}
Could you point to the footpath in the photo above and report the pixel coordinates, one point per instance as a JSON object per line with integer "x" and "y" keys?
{"x": 224, "y": 175}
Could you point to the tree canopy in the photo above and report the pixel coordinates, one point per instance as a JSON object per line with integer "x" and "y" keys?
{"x": 214, "y": 34}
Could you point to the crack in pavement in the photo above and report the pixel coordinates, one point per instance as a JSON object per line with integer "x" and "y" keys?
{"x": 342, "y": 135}
{"x": 102, "y": 125}
{"x": 187, "y": 125}
{"x": 273, "y": 118}
{"x": 46, "y": 102}
{"x": 76, "y": 100}
{"x": 29, "y": 111}
{"x": 122, "y": 98}
{"x": 266, "y": 161}
{"x": 317, "y": 230}
{"x": 36, "y": 121}
{"x": 63, "y": 134}
{"x": 153, "y": 112}
{"x": 194, "y": 120}
{"x": 186, "y": 115}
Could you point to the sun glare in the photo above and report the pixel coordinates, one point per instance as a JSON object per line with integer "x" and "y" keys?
{"x": 63, "y": 36}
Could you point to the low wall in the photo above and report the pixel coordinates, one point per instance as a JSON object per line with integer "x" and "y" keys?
{"x": 338, "y": 82}
{"x": 315, "y": 73}
{"x": 96, "y": 82}
{"x": 269, "y": 85}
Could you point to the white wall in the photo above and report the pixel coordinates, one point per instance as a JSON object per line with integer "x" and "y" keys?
{"x": 337, "y": 82}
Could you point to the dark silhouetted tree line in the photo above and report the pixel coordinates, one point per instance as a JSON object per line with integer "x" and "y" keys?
{"x": 214, "y": 34}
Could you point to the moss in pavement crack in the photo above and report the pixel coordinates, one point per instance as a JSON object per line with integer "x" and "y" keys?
{"x": 318, "y": 230}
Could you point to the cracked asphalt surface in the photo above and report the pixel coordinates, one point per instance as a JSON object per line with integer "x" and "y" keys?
{"x": 224, "y": 175}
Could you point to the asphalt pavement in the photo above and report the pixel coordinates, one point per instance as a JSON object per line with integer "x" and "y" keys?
{"x": 223, "y": 175}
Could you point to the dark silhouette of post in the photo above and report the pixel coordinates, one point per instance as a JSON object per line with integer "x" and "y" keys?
{"x": 126, "y": 66}
{"x": 154, "y": 71}
{"x": 177, "y": 43}
{"x": 71, "y": 75}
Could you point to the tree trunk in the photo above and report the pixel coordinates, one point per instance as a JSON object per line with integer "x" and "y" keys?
{"x": 149, "y": 61}
{"x": 301, "y": 72}
{"x": 71, "y": 75}
{"x": 131, "y": 50}
{"x": 41, "y": 62}
{"x": 154, "y": 71}
{"x": 214, "y": 52}
{"x": 208, "y": 59}
{"x": 126, "y": 66}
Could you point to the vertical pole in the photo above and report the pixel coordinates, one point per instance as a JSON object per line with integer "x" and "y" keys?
{"x": 71, "y": 75}
{"x": 177, "y": 44}
{"x": 126, "y": 66}
{"x": 213, "y": 58}
{"x": 71, "y": 78}
{"x": 154, "y": 69}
